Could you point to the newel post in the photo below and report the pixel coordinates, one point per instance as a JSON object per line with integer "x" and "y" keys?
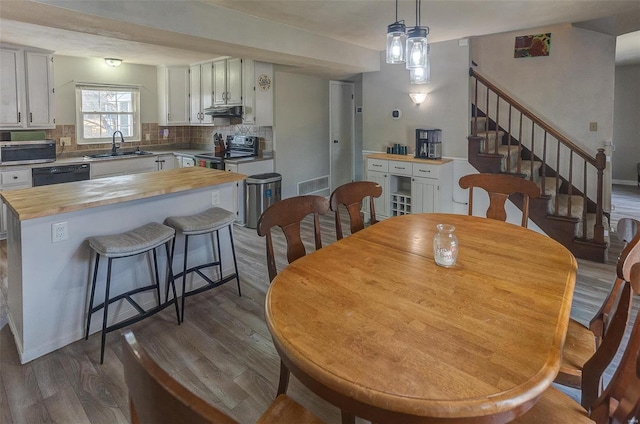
{"x": 601, "y": 164}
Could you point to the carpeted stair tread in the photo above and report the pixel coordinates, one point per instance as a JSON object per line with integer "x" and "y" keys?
{"x": 591, "y": 222}
{"x": 577, "y": 203}
{"x": 489, "y": 143}
{"x": 550, "y": 184}
{"x": 525, "y": 169}
{"x": 482, "y": 123}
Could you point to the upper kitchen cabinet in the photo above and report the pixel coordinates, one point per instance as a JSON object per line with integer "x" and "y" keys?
{"x": 227, "y": 82}
{"x": 173, "y": 95}
{"x": 257, "y": 83}
{"x": 26, "y": 84}
{"x": 201, "y": 94}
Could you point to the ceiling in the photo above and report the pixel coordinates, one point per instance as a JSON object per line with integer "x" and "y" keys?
{"x": 277, "y": 31}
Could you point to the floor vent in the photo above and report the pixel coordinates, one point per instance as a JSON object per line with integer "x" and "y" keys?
{"x": 319, "y": 186}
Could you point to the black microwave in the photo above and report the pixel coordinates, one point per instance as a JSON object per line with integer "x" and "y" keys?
{"x": 25, "y": 152}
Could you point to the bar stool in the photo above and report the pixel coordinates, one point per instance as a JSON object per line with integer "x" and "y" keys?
{"x": 208, "y": 222}
{"x": 135, "y": 242}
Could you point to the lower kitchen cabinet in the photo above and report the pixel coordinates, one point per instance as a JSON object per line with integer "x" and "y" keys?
{"x": 166, "y": 162}
{"x": 13, "y": 179}
{"x": 410, "y": 185}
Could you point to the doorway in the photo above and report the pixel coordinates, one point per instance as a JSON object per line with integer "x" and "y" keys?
{"x": 341, "y": 132}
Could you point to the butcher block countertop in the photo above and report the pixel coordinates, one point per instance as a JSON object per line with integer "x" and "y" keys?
{"x": 37, "y": 202}
{"x": 406, "y": 158}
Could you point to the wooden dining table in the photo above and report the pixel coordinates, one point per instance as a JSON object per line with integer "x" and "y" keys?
{"x": 371, "y": 324}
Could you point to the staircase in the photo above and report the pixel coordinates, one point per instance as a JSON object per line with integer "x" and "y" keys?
{"x": 508, "y": 138}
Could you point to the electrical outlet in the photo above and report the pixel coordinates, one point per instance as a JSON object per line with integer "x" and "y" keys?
{"x": 215, "y": 198}
{"x": 65, "y": 141}
{"x": 147, "y": 137}
{"x": 593, "y": 126}
{"x": 59, "y": 232}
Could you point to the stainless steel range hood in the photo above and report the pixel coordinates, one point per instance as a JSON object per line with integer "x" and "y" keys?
{"x": 224, "y": 111}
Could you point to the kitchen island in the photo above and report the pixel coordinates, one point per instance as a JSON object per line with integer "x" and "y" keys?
{"x": 48, "y": 281}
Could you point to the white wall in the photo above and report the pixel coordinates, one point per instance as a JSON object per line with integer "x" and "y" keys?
{"x": 626, "y": 124}
{"x": 68, "y": 70}
{"x": 301, "y": 128}
{"x": 569, "y": 88}
{"x": 446, "y": 106}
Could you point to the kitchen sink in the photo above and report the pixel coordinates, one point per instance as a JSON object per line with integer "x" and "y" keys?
{"x": 118, "y": 154}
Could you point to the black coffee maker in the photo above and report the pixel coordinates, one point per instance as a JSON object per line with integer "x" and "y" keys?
{"x": 428, "y": 144}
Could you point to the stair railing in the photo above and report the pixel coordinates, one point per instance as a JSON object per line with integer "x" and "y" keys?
{"x": 495, "y": 102}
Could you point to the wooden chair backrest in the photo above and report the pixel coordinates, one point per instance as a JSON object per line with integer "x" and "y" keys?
{"x": 287, "y": 214}
{"x": 351, "y": 195}
{"x": 156, "y": 397}
{"x": 620, "y": 401}
{"x": 500, "y": 187}
{"x": 610, "y": 322}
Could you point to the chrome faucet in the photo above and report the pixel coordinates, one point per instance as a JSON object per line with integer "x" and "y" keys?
{"x": 113, "y": 142}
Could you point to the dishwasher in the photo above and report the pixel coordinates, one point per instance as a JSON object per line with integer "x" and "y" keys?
{"x": 60, "y": 174}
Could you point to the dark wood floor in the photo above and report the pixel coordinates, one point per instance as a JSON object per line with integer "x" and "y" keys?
{"x": 222, "y": 351}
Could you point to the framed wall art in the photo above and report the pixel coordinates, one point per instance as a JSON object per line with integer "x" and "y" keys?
{"x": 532, "y": 45}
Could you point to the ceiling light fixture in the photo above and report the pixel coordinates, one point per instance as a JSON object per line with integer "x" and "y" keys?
{"x": 418, "y": 98}
{"x": 396, "y": 39}
{"x": 417, "y": 43}
{"x": 112, "y": 61}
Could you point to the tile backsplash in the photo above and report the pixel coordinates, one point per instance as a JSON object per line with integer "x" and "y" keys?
{"x": 153, "y": 137}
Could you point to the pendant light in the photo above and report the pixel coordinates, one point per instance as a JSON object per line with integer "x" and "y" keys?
{"x": 416, "y": 50}
{"x": 421, "y": 75}
{"x": 396, "y": 38}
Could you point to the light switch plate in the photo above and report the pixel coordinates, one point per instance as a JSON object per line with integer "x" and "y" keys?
{"x": 593, "y": 126}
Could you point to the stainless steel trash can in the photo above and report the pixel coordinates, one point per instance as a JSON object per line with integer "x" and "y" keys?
{"x": 262, "y": 191}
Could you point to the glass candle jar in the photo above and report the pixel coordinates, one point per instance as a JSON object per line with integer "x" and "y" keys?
{"x": 445, "y": 246}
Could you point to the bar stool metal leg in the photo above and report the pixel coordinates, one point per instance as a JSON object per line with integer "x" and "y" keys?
{"x": 93, "y": 292}
{"x": 235, "y": 262}
{"x": 171, "y": 281}
{"x": 184, "y": 274}
{"x": 106, "y": 310}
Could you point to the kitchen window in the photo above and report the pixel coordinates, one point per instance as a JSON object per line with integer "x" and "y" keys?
{"x": 104, "y": 109}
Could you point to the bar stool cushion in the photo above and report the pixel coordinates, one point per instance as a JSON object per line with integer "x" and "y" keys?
{"x": 201, "y": 223}
{"x": 132, "y": 242}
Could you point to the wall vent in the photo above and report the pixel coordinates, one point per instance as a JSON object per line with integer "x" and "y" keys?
{"x": 318, "y": 186}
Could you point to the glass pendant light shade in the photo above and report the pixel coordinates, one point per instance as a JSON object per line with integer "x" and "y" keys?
{"x": 421, "y": 75}
{"x": 417, "y": 47}
{"x": 396, "y": 39}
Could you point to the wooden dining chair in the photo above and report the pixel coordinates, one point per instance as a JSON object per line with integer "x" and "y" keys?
{"x": 351, "y": 195}
{"x": 156, "y": 397}
{"x": 619, "y": 403}
{"x": 500, "y": 187}
{"x": 288, "y": 214}
{"x": 588, "y": 351}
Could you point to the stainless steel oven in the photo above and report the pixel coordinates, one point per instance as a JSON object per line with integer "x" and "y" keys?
{"x": 27, "y": 152}
{"x": 238, "y": 146}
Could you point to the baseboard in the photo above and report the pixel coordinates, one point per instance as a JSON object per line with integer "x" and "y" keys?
{"x": 625, "y": 182}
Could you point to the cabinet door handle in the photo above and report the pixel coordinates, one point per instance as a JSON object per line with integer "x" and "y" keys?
{"x": 19, "y": 117}
{"x": 398, "y": 167}
{"x": 423, "y": 170}
{"x": 15, "y": 177}
{"x": 30, "y": 117}
{"x": 379, "y": 166}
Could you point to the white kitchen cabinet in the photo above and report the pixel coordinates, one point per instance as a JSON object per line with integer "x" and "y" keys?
{"x": 201, "y": 93}
{"x": 412, "y": 186}
{"x": 12, "y": 179}
{"x": 227, "y": 82}
{"x": 257, "y": 93}
{"x": 173, "y": 95}
{"x": 111, "y": 168}
{"x": 26, "y": 84}
{"x": 248, "y": 168}
{"x": 167, "y": 161}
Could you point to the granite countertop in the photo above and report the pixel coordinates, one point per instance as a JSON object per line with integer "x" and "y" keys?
{"x": 36, "y": 202}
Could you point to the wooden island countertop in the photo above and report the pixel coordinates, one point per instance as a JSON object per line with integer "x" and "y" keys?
{"x": 37, "y": 202}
